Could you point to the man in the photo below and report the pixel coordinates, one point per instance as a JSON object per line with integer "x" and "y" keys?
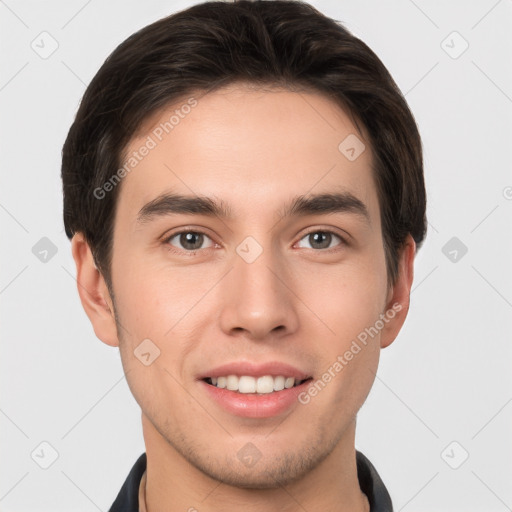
{"x": 243, "y": 187}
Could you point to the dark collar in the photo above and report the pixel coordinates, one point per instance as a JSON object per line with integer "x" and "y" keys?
{"x": 372, "y": 485}
{"x": 369, "y": 480}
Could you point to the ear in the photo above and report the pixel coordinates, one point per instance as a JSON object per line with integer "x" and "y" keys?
{"x": 93, "y": 292}
{"x": 397, "y": 302}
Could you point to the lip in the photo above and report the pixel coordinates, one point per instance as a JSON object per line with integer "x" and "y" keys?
{"x": 273, "y": 368}
{"x": 252, "y": 405}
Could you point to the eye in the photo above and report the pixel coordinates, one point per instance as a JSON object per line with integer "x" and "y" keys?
{"x": 322, "y": 239}
{"x": 189, "y": 240}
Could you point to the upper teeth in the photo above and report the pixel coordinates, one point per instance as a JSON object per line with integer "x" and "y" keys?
{"x": 248, "y": 384}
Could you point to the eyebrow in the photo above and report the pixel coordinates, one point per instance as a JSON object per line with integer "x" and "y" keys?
{"x": 314, "y": 204}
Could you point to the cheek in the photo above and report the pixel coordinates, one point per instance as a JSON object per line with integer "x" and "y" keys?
{"x": 152, "y": 347}
{"x": 163, "y": 306}
{"x": 347, "y": 298}
{"x": 150, "y": 299}
{"x": 349, "y": 355}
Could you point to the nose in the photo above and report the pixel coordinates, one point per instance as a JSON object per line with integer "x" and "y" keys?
{"x": 257, "y": 299}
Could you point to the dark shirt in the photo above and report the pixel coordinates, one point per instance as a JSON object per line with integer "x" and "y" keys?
{"x": 369, "y": 480}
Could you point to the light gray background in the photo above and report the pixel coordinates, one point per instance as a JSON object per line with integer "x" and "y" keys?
{"x": 446, "y": 378}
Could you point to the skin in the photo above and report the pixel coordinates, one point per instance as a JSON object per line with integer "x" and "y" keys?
{"x": 296, "y": 303}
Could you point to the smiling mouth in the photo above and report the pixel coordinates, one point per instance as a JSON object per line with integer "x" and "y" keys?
{"x": 246, "y": 384}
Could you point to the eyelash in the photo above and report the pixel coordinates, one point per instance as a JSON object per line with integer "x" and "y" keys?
{"x": 175, "y": 250}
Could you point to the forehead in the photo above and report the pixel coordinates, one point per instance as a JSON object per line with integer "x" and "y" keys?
{"x": 247, "y": 146}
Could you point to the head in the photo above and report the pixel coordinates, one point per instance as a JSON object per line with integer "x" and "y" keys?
{"x": 285, "y": 126}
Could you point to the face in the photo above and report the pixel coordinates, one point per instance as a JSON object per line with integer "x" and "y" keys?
{"x": 271, "y": 281}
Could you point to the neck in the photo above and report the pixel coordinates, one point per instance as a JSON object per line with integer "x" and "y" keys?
{"x": 174, "y": 484}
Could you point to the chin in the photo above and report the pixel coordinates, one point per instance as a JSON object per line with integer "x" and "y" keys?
{"x": 271, "y": 471}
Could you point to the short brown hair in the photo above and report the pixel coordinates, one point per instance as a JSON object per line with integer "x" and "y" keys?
{"x": 286, "y": 43}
